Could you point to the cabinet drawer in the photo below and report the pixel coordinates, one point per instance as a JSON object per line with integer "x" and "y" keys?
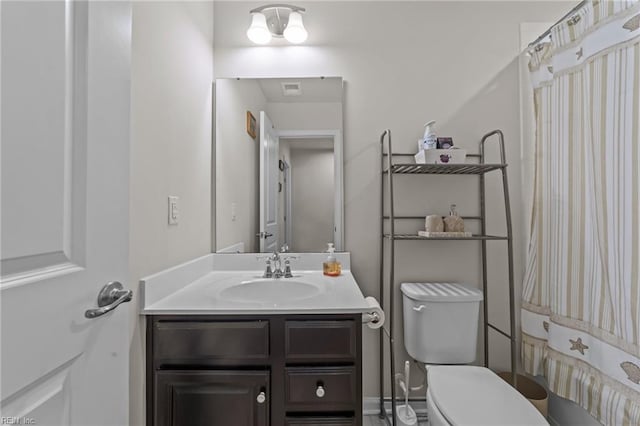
{"x": 236, "y": 342}
{"x": 338, "y": 391}
{"x": 317, "y": 421}
{"x": 320, "y": 340}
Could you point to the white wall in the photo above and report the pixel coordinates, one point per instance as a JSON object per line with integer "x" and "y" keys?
{"x": 405, "y": 63}
{"x": 306, "y": 115}
{"x": 171, "y": 115}
{"x": 312, "y": 199}
{"x": 237, "y": 163}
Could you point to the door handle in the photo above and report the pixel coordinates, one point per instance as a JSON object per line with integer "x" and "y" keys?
{"x": 419, "y": 308}
{"x": 261, "y": 398}
{"x": 264, "y": 235}
{"x": 110, "y": 297}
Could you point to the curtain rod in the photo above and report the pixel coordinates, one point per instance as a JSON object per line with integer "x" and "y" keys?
{"x": 571, "y": 12}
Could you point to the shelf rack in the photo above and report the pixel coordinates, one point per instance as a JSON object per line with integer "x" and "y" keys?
{"x": 479, "y": 169}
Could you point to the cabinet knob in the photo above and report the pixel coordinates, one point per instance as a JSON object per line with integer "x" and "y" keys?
{"x": 261, "y": 398}
{"x": 320, "y": 391}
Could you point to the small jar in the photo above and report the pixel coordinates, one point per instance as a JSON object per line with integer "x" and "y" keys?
{"x": 433, "y": 223}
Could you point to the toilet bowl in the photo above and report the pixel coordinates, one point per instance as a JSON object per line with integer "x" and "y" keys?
{"x": 440, "y": 327}
{"x": 468, "y": 395}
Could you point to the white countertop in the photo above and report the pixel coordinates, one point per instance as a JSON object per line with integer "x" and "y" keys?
{"x": 198, "y": 287}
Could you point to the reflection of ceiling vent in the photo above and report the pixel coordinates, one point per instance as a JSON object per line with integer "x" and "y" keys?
{"x": 291, "y": 89}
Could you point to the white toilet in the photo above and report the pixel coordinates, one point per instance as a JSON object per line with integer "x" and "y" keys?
{"x": 440, "y": 329}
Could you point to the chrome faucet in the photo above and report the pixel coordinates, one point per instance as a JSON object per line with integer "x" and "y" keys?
{"x": 268, "y": 273}
{"x": 277, "y": 266}
{"x": 287, "y": 269}
{"x": 274, "y": 267}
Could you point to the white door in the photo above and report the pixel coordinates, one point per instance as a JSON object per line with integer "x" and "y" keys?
{"x": 269, "y": 224}
{"x": 65, "y": 172}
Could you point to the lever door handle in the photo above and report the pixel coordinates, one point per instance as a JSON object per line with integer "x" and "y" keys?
{"x": 264, "y": 235}
{"x": 419, "y": 308}
{"x": 110, "y": 297}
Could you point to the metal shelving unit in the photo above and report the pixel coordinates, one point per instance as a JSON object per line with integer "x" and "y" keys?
{"x": 480, "y": 169}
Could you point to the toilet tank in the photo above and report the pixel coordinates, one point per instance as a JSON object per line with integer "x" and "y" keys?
{"x": 441, "y": 322}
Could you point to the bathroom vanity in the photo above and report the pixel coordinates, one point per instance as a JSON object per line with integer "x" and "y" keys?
{"x": 222, "y": 352}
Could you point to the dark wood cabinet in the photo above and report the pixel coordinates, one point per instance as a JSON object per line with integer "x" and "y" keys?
{"x": 212, "y": 398}
{"x": 320, "y": 421}
{"x": 291, "y": 370}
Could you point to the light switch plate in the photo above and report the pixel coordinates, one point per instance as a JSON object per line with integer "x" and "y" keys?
{"x": 173, "y": 210}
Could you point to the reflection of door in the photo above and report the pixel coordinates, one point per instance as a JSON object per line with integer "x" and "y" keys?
{"x": 65, "y": 164}
{"x": 268, "y": 185}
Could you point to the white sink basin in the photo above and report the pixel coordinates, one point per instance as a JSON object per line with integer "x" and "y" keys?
{"x": 270, "y": 290}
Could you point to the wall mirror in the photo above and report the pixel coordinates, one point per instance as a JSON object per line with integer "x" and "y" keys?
{"x": 282, "y": 189}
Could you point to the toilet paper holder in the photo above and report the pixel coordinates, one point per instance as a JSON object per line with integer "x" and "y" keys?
{"x": 370, "y": 317}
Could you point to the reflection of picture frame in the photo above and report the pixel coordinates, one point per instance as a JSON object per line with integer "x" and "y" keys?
{"x": 251, "y": 125}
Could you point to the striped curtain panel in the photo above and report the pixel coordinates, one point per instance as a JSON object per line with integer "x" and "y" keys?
{"x": 581, "y": 291}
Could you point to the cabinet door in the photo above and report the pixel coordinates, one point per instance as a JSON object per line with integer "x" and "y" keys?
{"x": 317, "y": 421}
{"x": 212, "y": 398}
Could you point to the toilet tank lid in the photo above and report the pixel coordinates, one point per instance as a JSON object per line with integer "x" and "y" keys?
{"x": 441, "y": 292}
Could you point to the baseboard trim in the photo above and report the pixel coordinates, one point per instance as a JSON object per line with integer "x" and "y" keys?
{"x": 371, "y": 405}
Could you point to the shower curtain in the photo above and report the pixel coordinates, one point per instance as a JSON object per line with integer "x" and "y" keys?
{"x": 581, "y": 291}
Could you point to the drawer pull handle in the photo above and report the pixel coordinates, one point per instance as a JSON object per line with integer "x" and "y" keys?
{"x": 320, "y": 391}
{"x": 261, "y": 398}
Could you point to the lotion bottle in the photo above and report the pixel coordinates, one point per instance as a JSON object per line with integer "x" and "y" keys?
{"x": 331, "y": 267}
{"x": 429, "y": 139}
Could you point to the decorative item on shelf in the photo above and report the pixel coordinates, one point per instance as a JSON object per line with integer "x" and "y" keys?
{"x": 445, "y": 142}
{"x": 441, "y": 156}
{"x": 451, "y": 227}
{"x": 428, "y": 234}
{"x": 251, "y": 125}
{"x": 453, "y": 223}
{"x": 433, "y": 223}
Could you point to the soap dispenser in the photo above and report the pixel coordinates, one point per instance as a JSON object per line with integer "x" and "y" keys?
{"x": 453, "y": 223}
{"x": 331, "y": 267}
{"x": 429, "y": 139}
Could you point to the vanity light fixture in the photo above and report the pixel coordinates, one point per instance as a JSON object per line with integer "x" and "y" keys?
{"x": 277, "y": 20}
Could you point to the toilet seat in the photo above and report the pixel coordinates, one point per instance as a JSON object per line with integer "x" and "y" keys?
{"x": 468, "y": 395}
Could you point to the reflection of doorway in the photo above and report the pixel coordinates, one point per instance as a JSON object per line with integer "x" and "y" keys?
{"x": 311, "y": 190}
{"x": 286, "y": 220}
{"x": 309, "y": 224}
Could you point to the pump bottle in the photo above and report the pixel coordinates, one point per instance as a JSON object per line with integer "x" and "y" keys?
{"x": 331, "y": 267}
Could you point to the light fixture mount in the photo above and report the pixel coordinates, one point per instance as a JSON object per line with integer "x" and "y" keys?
{"x": 277, "y": 19}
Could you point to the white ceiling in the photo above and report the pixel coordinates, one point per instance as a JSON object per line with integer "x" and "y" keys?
{"x": 314, "y": 89}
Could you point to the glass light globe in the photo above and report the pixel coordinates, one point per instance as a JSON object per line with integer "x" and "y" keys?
{"x": 258, "y": 32}
{"x": 295, "y": 31}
